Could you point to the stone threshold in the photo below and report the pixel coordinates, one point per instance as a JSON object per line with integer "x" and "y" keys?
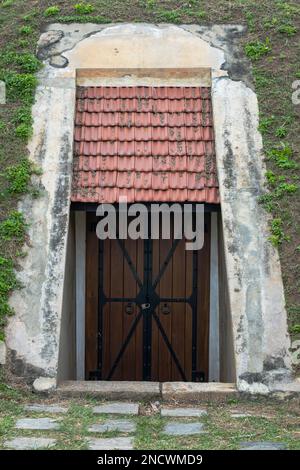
{"x": 185, "y": 392}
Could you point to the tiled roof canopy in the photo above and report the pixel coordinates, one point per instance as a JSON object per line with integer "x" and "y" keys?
{"x": 147, "y": 143}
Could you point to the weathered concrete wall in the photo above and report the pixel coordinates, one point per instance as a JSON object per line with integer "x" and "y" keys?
{"x": 254, "y": 277}
{"x": 33, "y": 332}
{"x": 67, "y": 341}
{"x": 227, "y": 356}
{"x": 254, "y": 280}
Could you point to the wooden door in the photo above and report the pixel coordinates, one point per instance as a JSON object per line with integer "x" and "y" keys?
{"x": 147, "y": 309}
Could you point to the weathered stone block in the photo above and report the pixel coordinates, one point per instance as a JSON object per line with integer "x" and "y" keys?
{"x": 108, "y": 390}
{"x": 40, "y": 408}
{"x": 2, "y": 351}
{"x": 117, "y": 408}
{"x": 196, "y": 392}
{"x": 29, "y": 443}
{"x": 113, "y": 425}
{"x": 44, "y": 384}
{"x": 262, "y": 445}
{"x": 117, "y": 443}
{"x": 183, "y": 429}
{"x": 183, "y": 412}
{"x": 39, "y": 424}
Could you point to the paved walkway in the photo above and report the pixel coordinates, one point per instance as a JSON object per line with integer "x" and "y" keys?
{"x": 117, "y": 418}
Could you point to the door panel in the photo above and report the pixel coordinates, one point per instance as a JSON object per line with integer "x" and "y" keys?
{"x": 164, "y": 290}
{"x": 145, "y": 319}
{"x": 118, "y": 315}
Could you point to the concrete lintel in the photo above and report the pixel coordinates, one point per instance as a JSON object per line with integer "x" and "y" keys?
{"x": 144, "y": 77}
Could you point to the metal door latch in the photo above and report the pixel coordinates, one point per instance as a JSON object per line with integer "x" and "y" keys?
{"x": 145, "y": 306}
{"x": 165, "y": 309}
{"x": 129, "y": 308}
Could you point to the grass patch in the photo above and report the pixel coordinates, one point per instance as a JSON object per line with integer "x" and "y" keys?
{"x": 84, "y": 19}
{"x": 84, "y": 8}
{"x": 25, "y": 62}
{"x": 18, "y": 177}
{"x": 8, "y": 282}
{"x": 19, "y": 86}
{"x": 26, "y": 30}
{"x": 13, "y": 227}
{"x": 277, "y": 233}
{"x": 282, "y": 156}
{"x": 257, "y": 49}
{"x": 281, "y": 132}
{"x": 265, "y": 124}
{"x": 287, "y": 29}
{"x": 52, "y": 11}
{"x": 170, "y": 16}
{"x": 7, "y": 3}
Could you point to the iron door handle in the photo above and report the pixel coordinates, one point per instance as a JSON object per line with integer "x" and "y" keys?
{"x": 165, "y": 309}
{"x": 129, "y": 308}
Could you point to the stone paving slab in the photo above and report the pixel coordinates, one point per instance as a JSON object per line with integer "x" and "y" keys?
{"x": 40, "y": 408}
{"x": 183, "y": 429}
{"x": 117, "y": 408}
{"x": 29, "y": 443}
{"x": 113, "y": 425}
{"x": 262, "y": 445}
{"x": 117, "y": 443}
{"x": 39, "y": 424}
{"x": 241, "y": 415}
{"x": 183, "y": 412}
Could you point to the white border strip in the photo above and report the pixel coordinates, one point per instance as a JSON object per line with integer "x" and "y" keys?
{"x": 214, "y": 328}
{"x": 80, "y": 243}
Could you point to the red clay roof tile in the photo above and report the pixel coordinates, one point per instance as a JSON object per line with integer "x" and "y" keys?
{"x": 125, "y": 163}
{"x": 125, "y": 179}
{"x": 160, "y": 106}
{"x": 175, "y": 120}
{"x": 178, "y": 180}
{"x": 195, "y": 163}
{"x": 143, "y": 133}
{"x": 178, "y": 163}
{"x": 142, "y": 119}
{"x": 143, "y": 148}
{"x": 176, "y": 133}
{"x": 143, "y": 164}
{"x": 126, "y": 134}
{"x": 147, "y": 143}
{"x": 111, "y": 133}
{"x": 128, "y": 92}
{"x": 192, "y": 92}
{"x": 143, "y": 180}
{"x": 126, "y": 148}
{"x": 160, "y": 180}
{"x": 108, "y": 119}
{"x": 177, "y": 148}
{"x": 160, "y": 133}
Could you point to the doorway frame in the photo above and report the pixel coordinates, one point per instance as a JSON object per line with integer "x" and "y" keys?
{"x": 80, "y": 210}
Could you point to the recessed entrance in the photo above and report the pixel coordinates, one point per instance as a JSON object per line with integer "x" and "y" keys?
{"x": 147, "y": 308}
{"x": 163, "y": 144}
